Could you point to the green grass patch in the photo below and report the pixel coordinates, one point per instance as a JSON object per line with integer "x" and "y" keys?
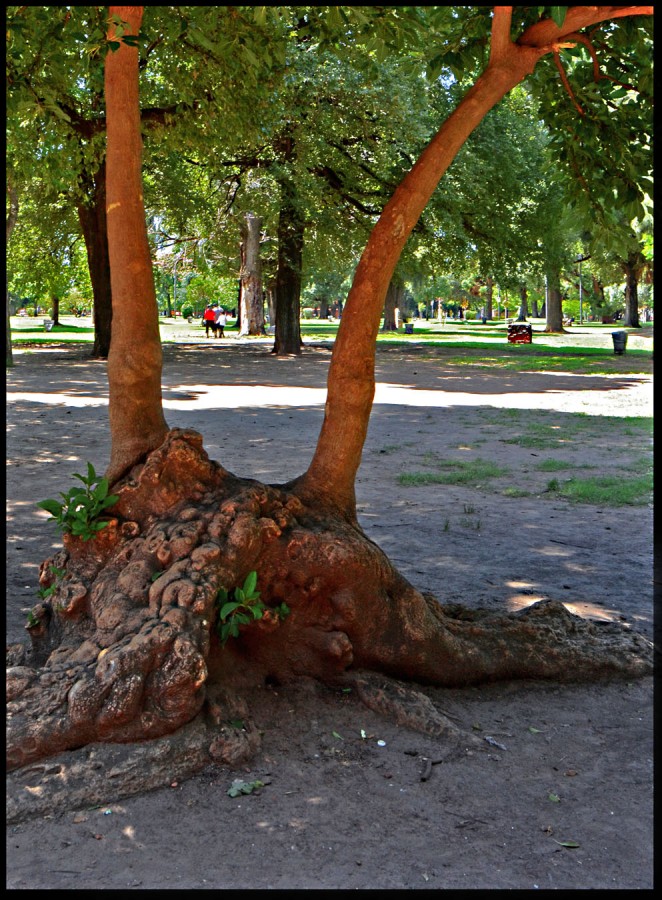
{"x": 559, "y": 465}
{"x": 607, "y": 490}
{"x": 469, "y": 474}
{"x": 515, "y": 492}
{"x": 583, "y": 360}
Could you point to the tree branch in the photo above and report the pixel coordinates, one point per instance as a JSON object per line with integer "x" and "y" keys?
{"x": 500, "y": 43}
{"x": 566, "y": 83}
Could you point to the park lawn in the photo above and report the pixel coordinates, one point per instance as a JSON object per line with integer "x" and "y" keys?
{"x": 463, "y": 343}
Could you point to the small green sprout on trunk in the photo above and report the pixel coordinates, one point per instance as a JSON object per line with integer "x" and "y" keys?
{"x": 241, "y": 606}
{"x": 78, "y": 513}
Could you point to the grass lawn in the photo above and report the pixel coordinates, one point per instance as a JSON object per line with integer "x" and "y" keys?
{"x": 586, "y": 349}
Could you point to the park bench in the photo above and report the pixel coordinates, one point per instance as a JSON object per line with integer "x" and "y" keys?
{"x": 519, "y": 333}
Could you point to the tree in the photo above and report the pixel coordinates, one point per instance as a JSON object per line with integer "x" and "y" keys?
{"x": 252, "y": 293}
{"x": 12, "y": 218}
{"x": 184, "y": 530}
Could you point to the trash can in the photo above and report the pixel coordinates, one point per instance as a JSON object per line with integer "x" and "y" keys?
{"x": 409, "y": 328}
{"x": 620, "y": 339}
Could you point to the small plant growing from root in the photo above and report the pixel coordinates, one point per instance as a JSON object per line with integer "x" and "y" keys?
{"x": 45, "y": 592}
{"x": 242, "y": 606}
{"x": 78, "y": 513}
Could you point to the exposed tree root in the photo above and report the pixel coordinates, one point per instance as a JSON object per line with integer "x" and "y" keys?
{"x": 125, "y": 648}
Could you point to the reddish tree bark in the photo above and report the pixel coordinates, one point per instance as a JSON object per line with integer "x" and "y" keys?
{"x": 137, "y": 424}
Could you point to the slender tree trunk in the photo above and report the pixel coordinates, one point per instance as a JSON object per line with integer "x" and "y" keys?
{"x": 489, "y": 296}
{"x": 523, "y": 304}
{"x": 632, "y": 268}
{"x": 93, "y": 223}
{"x": 252, "y": 294}
{"x": 137, "y": 424}
{"x": 270, "y": 293}
{"x": 351, "y": 380}
{"x": 55, "y": 300}
{"x": 12, "y": 218}
{"x": 554, "y": 305}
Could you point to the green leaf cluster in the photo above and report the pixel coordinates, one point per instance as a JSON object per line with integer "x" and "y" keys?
{"x": 78, "y": 512}
{"x": 241, "y": 606}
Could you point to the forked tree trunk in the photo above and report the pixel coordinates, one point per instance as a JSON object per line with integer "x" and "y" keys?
{"x": 93, "y": 223}
{"x": 251, "y": 301}
{"x": 137, "y": 424}
{"x": 125, "y": 648}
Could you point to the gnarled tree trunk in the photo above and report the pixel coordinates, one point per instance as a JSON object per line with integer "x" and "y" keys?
{"x": 125, "y": 648}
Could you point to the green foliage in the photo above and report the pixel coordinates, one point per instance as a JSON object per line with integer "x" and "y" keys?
{"x": 78, "y": 513}
{"x": 242, "y": 606}
{"x": 45, "y": 592}
{"x": 239, "y": 787}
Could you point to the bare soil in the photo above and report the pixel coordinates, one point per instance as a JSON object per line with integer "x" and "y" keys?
{"x": 560, "y": 798}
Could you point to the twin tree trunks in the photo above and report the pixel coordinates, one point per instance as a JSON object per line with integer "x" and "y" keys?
{"x": 124, "y": 649}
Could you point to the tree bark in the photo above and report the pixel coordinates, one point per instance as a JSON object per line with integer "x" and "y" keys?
{"x": 93, "y": 223}
{"x": 12, "y": 218}
{"x": 291, "y": 229}
{"x": 632, "y": 268}
{"x": 252, "y": 294}
{"x": 554, "y": 304}
{"x": 137, "y": 424}
{"x": 55, "y": 300}
{"x": 489, "y": 296}
{"x": 523, "y": 304}
{"x": 393, "y": 300}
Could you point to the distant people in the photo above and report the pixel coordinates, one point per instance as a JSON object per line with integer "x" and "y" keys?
{"x": 209, "y": 319}
{"x": 221, "y": 322}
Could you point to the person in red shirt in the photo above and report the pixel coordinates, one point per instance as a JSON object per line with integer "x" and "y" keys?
{"x": 209, "y": 320}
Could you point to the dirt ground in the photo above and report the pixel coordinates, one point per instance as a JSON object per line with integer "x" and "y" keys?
{"x": 562, "y": 795}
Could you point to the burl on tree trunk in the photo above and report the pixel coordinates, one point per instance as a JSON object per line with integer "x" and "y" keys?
{"x": 125, "y": 648}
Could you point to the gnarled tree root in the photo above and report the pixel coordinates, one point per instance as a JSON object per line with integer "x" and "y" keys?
{"x": 125, "y": 648}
